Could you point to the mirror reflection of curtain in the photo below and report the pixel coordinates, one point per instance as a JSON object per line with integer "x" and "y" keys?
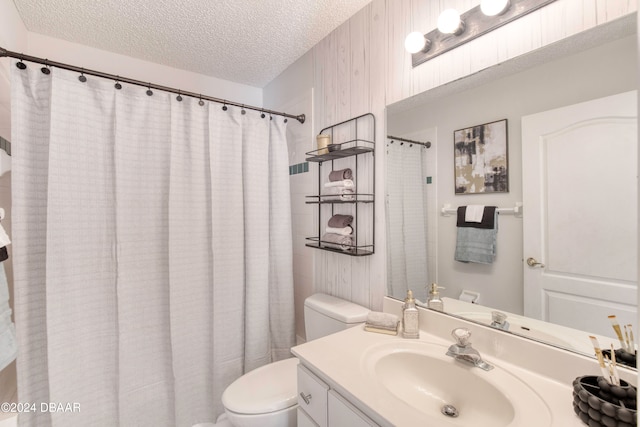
{"x": 407, "y": 220}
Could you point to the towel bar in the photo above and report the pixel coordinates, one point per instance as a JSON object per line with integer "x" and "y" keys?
{"x": 447, "y": 210}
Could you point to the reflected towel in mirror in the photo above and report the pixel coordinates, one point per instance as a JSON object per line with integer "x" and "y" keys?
{"x": 474, "y": 213}
{"x": 475, "y": 244}
{"x": 488, "y": 218}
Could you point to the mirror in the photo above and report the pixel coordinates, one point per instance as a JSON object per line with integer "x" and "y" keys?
{"x": 420, "y": 181}
{"x": 8, "y": 376}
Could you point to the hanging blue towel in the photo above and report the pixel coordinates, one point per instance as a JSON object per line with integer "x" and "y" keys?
{"x": 8, "y": 343}
{"x": 477, "y": 244}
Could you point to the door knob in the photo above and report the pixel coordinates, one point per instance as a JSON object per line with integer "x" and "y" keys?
{"x": 532, "y": 262}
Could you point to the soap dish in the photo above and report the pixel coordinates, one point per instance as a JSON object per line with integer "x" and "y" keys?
{"x": 598, "y": 403}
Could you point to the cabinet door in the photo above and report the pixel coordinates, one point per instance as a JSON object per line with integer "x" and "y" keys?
{"x": 305, "y": 420}
{"x": 312, "y": 396}
{"x": 342, "y": 413}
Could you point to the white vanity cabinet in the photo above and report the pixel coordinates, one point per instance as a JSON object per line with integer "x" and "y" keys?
{"x": 320, "y": 406}
{"x": 312, "y": 396}
{"x": 343, "y": 413}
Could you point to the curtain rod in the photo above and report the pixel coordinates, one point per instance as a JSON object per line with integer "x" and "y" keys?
{"x": 410, "y": 141}
{"x": 7, "y": 53}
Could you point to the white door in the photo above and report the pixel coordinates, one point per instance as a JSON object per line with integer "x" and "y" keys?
{"x": 580, "y": 213}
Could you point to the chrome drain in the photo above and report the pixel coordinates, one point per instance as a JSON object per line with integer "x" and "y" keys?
{"x": 449, "y": 411}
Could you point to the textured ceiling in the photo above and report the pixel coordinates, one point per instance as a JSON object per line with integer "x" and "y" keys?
{"x": 245, "y": 41}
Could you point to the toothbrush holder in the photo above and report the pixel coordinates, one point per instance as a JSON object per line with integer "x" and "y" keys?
{"x": 599, "y": 403}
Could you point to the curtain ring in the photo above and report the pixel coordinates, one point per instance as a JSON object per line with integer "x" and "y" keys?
{"x": 201, "y": 102}
{"x": 21, "y": 65}
{"x": 45, "y": 69}
{"x": 117, "y": 85}
{"x": 179, "y": 97}
{"x": 81, "y": 77}
{"x": 149, "y": 91}
{"x": 242, "y": 110}
{"x": 262, "y": 115}
{"x": 224, "y": 106}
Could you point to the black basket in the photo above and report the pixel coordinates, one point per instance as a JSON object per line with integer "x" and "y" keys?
{"x": 622, "y": 357}
{"x": 598, "y": 403}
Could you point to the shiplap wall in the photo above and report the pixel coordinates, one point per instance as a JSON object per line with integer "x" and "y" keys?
{"x": 362, "y": 67}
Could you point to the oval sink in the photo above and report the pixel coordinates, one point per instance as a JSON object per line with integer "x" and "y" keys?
{"x": 431, "y": 384}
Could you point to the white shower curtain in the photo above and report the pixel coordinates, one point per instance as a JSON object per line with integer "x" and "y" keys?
{"x": 152, "y": 250}
{"x": 406, "y": 221}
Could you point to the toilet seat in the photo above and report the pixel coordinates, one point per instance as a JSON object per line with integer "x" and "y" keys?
{"x": 248, "y": 394}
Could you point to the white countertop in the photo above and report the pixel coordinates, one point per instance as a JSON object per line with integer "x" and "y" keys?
{"x": 338, "y": 360}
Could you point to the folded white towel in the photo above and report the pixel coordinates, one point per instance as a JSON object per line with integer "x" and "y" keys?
{"x": 337, "y": 241}
{"x": 4, "y": 238}
{"x": 348, "y": 183}
{"x": 345, "y": 231}
{"x": 339, "y": 193}
{"x": 474, "y": 213}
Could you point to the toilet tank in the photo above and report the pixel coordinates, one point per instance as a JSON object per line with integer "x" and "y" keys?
{"x": 325, "y": 315}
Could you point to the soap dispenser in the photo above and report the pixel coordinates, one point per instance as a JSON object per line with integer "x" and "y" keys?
{"x": 410, "y": 321}
{"x": 434, "y": 302}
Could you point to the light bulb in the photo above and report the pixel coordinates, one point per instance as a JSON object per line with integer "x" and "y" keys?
{"x": 494, "y": 7}
{"x": 449, "y": 21}
{"x": 415, "y": 42}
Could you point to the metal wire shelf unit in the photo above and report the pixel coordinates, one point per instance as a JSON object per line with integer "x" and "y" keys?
{"x": 347, "y": 147}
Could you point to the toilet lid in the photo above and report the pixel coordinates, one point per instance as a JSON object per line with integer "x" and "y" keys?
{"x": 266, "y": 389}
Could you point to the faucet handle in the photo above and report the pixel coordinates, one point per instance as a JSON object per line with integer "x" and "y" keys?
{"x": 498, "y": 317}
{"x": 461, "y": 335}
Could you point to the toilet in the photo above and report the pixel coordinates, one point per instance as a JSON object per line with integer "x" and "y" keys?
{"x": 267, "y": 396}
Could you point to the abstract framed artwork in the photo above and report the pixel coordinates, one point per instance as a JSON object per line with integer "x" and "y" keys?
{"x": 481, "y": 159}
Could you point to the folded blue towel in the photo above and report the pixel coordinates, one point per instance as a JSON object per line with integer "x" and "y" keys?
{"x": 477, "y": 244}
{"x": 8, "y": 343}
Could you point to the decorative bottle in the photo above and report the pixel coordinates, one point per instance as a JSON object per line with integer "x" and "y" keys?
{"x": 434, "y": 302}
{"x": 410, "y": 320}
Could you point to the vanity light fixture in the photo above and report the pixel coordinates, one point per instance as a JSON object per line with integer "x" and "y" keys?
{"x": 494, "y": 7}
{"x": 449, "y": 22}
{"x": 455, "y": 29}
{"x": 416, "y": 42}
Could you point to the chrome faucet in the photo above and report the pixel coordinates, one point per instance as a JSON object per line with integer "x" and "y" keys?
{"x": 463, "y": 351}
{"x": 499, "y": 320}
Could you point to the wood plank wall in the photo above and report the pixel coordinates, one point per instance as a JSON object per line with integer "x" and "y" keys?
{"x": 362, "y": 67}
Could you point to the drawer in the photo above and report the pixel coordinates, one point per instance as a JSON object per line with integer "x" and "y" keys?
{"x": 305, "y": 420}
{"x": 343, "y": 413}
{"x": 312, "y": 396}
